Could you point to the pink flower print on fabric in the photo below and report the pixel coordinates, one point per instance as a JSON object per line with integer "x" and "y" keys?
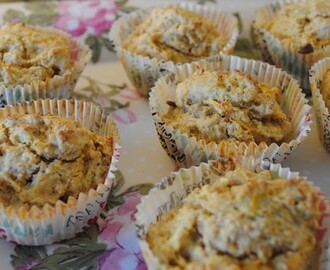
{"x": 118, "y": 233}
{"x": 79, "y": 17}
{"x": 29, "y": 265}
{"x": 3, "y": 234}
{"x": 124, "y": 116}
{"x": 130, "y": 93}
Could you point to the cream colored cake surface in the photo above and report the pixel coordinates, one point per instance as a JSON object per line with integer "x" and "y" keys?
{"x": 325, "y": 88}
{"x": 29, "y": 55}
{"x": 304, "y": 25}
{"x": 228, "y": 106}
{"x": 48, "y": 158}
{"x": 245, "y": 220}
{"x": 175, "y": 34}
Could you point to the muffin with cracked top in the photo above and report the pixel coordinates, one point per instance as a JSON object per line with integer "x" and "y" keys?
{"x": 217, "y": 106}
{"x": 294, "y": 35}
{"x": 58, "y": 159}
{"x": 225, "y": 100}
{"x": 38, "y": 62}
{"x": 149, "y": 43}
{"x": 49, "y": 158}
{"x": 242, "y": 220}
{"x": 175, "y": 34}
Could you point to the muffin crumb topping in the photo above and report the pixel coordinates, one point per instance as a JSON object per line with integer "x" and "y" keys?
{"x": 175, "y": 34}
{"x": 48, "y": 158}
{"x": 244, "y": 220}
{"x": 304, "y": 25}
{"x": 29, "y": 54}
{"x": 228, "y": 106}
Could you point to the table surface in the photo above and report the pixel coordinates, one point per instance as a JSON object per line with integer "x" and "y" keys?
{"x": 112, "y": 241}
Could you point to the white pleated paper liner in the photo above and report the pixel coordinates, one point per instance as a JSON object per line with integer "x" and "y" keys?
{"x": 60, "y": 86}
{"x": 187, "y": 151}
{"x": 322, "y": 114}
{"x": 144, "y": 71}
{"x": 171, "y": 190}
{"x": 286, "y": 56}
{"x": 39, "y": 226}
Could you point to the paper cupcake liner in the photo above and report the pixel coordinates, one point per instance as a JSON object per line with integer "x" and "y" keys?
{"x": 171, "y": 190}
{"x": 322, "y": 114}
{"x": 60, "y": 86}
{"x": 284, "y": 56}
{"x": 39, "y": 226}
{"x": 144, "y": 71}
{"x": 187, "y": 151}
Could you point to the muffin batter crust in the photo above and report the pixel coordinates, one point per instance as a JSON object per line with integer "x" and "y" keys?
{"x": 48, "y": 158}
{"x": 228, "y": 106}
{"x": 175, "y": 34}
{"x": 29, "y": 55}
{"x": 245, "y": 220}
{"x": 304, "y": 25}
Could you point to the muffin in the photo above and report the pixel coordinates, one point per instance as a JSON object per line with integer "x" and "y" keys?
{"x": 325, "y": 88}
{"x": 43, "y": 62}
{"x": 256, "y": 108}
{"x": 220, "y": 106}
{"x": 241, "y": 216}
{"x": 33, "y": 148}
{"x": 57, "y": 163}
{"x": 296, "y": 35}
{"x": 149, "y": 43}
{"x": 175, "y": 34}
{"x": 320, "y": 85}
{"x": 244, "y": 220}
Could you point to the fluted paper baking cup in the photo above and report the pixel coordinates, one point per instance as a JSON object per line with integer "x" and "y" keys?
{"x": 187, "y": 151}
{"x": 322, "y": 114}
{"x": 144, "y": 71}
{"x": 39, "y": 226}
{"x": 60, "y": 86}
{"x": 171, "y": 190}
{"x": 285, "y": 56}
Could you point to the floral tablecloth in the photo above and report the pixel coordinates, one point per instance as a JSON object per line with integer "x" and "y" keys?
{"x": 111, "y": 242}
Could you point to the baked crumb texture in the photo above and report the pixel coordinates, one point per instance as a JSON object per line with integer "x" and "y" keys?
{"x": 245, "y": 220}
{"x": 217, "y": 106}
{"x": 175, "y": 34}
{"x": 304, "y": 25}
{"x": 48, "y": 158}
{"x": 31, "y": 54}
{"x": 325, "y": 88}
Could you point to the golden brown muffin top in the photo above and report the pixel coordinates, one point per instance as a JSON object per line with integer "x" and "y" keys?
{"x": 220, "y": 106}
{"x": 244, "y": 220}
{"x": 29, "y": 54}
{"x": 304, "y": 25}
{"x": 48, "y": 158}
{"x": 175, "y": 34}
{"x": 325, "y": 88}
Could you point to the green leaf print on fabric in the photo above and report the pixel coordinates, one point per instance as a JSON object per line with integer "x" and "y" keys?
{"x": 240, "y": 24}
{"x": 202, "y": 2}
{"x": 96, "y": 43}
{"x": 116, "y": 199}
{"x": 119, "y": 182}
{"x": 244, "y": 48}
{"x": 33, "y": 14}
{"x": 142, "y": 189}
{"x": 81, "y": 252}
{"x": 93, "y": 42}
{"x": 26, "y": 253}
{"x": 102, "y": 94}
{"x": 124, "y": 8}
{"x": 14, "y": 15}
